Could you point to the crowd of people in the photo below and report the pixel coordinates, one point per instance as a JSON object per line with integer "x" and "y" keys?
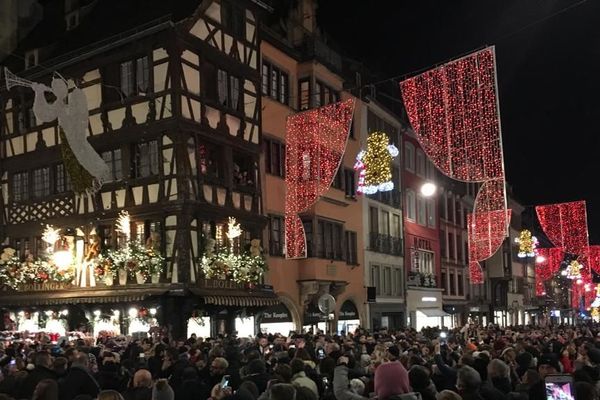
{"x": 472, "y": 363}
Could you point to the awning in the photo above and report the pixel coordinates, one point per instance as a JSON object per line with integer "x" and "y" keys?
{"x": 241, "y": 301}
{"x": 78, "y": 297}
{"x": 433, "y": 312}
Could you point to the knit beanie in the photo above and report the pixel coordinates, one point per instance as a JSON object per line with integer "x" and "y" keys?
{"x": 162, "y": 390}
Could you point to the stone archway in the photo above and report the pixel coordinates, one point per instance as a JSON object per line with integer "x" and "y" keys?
{"x": 293, "y": 308}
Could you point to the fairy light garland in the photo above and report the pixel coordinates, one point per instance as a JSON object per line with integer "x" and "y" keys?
{"x": 454, "y": 112}
{"x": 527, "y": 244}
{"x": 374, "y": 165}
{"x": 315, "y": 144}
{"x": 565, "y": 225}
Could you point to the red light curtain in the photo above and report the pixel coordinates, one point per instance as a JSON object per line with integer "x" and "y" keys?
{"x": 315, "y": 144}
{"x": 565, "y": 225}
{"x": 454, "y": 112}
{"x": 547, "y": 265}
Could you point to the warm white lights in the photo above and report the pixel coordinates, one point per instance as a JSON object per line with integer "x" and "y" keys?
{"x": 428, "y": 299}
{"x": 428, "y": 189}
{"x": 152, "y": 311}
{"x": 63, "y": 258}
{"x": 133, "y": 312}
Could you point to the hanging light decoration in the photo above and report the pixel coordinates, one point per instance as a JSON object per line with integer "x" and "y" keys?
{"x": 573, "y": 270}
{"x": 374, "y": 165}
{"x": 124, "y": 224}
{"x": 527, "y": 244}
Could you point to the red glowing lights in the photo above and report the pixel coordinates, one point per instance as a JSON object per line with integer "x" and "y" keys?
{"x": 315, "y": 144}
{"x": 565, "y": 225}
{"x": 454, "y": 112}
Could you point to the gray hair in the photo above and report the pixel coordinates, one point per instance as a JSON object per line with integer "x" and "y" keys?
{"x": 282, "y": 391}
{"x": 468, "y": 379}
{"x": 498, "y": 369}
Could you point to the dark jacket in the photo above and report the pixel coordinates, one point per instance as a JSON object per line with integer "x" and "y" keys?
{"x": 260, "y": 380}
{"x": 489, "y": 392}
{"x": 502, "y": 384}
{"x": 138, "y": 393}
{"x": 78, "y": 381}
{"x": 38, "y": 374}
{"x": 110, "y": 378}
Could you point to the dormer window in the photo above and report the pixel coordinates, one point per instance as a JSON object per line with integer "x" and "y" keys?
{"x": 31, "y": 58}
{"x": 72, "y": 20}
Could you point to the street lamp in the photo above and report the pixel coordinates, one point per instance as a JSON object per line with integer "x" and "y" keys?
{"x": 428, "y": 189}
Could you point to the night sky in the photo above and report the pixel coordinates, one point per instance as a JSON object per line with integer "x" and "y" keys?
{"x": 548, "y": 73}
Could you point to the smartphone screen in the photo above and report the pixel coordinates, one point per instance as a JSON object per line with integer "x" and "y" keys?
{"x": 559, "y": 387}
{"x": 225, "y": 381}
{"x": 320, "y": 354}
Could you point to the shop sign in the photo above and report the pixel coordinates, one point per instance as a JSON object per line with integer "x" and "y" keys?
{"x": 278, "y": 313}
{"x": 231, "y": 285}
{"x": 313, "y": 315}
{"x": 46, "y": 286}
{"x": 348, "y": 311}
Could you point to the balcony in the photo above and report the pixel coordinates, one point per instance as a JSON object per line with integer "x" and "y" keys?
{"x": 385, "y": 244}
{"x": 420, "y": 279}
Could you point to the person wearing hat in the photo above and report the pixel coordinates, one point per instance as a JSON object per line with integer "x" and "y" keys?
{"x": 547, "y": 365}
{"x": 391, "y": 378}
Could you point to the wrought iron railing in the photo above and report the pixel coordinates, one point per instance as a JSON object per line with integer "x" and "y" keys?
{"x": 386, "y": 244}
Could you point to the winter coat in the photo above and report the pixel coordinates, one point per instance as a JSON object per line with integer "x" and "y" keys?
{"x": 341, "y": 384}
{"x": 300, "y": 379}
{"x": 138, "y": 393}
{"x": 38, "y": 374}
{"x": 77, "y": 381}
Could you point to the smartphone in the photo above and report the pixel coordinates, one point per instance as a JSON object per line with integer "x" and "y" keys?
{"x": 320, "y": 353}
{"x": 225, "y": 381}
{"x": 12, "y": 362}
{"x": 559, "y": 387}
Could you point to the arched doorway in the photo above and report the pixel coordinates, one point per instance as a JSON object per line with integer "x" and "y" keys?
{"x": 348, "y": 318}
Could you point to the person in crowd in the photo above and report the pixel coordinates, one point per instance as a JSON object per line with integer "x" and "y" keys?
{"x": 162, "y": 390}
{"x": 109, "y": 395}
{"x": 78, "y": 380}
{"x": 42, "y": 370}
{"x": 46, "y": 389}
{"x": 299, "y": 378}
{"x": 419, "y": 378}
{"x": 391, "y": 378}
{"x": 141, "y": 386}
{"x": 468, "y": 383}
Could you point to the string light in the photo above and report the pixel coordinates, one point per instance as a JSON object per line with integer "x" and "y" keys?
{"x": 547, "y": 265}
{"x": 315, "y": 144}
{"x": 374, "y": 164}
{"x": 527, "y": 244}
{"x": 453, "y": 110}
{"x": 565, "y": 225}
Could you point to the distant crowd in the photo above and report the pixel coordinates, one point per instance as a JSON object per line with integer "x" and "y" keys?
{"x": 473, "y": 363}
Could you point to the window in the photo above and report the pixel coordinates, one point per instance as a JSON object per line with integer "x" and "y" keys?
{"x": 276, "y": 232}
{"x": 275, "y": 157}
{"x": 351, "y": 247}
{"x": 409, "y": 156}
{"x": 396, "y": 226}
{"x": 459, "y": 247}
{"x": 424, "y": 261}
{"x": 410, "y": 205}
{"x": 377, "y": 124}
{"x": 443, "y": 243}
{"x": 62, "y": 181}
{"x": 135, "y": 76}
{"x": 308, "y": 232}
{"x": 338, "y": 179}
{"x": 325, "y": 94}
{"x": 373, "y": 220}
{"x": 41, "y": 182}
{"x": 113, "y": 159}
{"x": 233, "y": 19}
{"x": 375, "y": 279}
{"x": 349, "y": 183}
{"x": 397, "y": 289}
{"x": 20, "y": 186}
{"x": 457, "y": 210}
{"x": 461, "y": 285}
{"x": 421, "y": 211}
{"x": 304, "y": 94}
{"x": 387, "y": 281}
{"x": 430, "y": 170}
{"x": 385, "y": 222}
{"x": 275, "y": 83}
{"x": 449, "y": 207}
{"x": 451, "y": 245}
{"x": 245, "y": 169}
{"x": 228, "y": 90}
{"x": 452, "y": 285}
{"x": 431, "y": 213}
{"x": 330, "y": 240}
{"x": 210, "y": 161}
{"x": 145, "y": 159}
{"x": 445, "y": 281}
{"x": 420, "y": 163}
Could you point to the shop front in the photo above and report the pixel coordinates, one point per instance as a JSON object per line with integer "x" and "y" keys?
{"x": 424, "y": 307}
{"x": 276, "y": 319}
{"x": 387, "y": 315}
{"x": 314, "y": 320}
{"x": 456, "y": 315}
{"x": 348, "y": 318}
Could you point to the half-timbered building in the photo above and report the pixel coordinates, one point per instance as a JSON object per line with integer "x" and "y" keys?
{"x": 174, "y": 110}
